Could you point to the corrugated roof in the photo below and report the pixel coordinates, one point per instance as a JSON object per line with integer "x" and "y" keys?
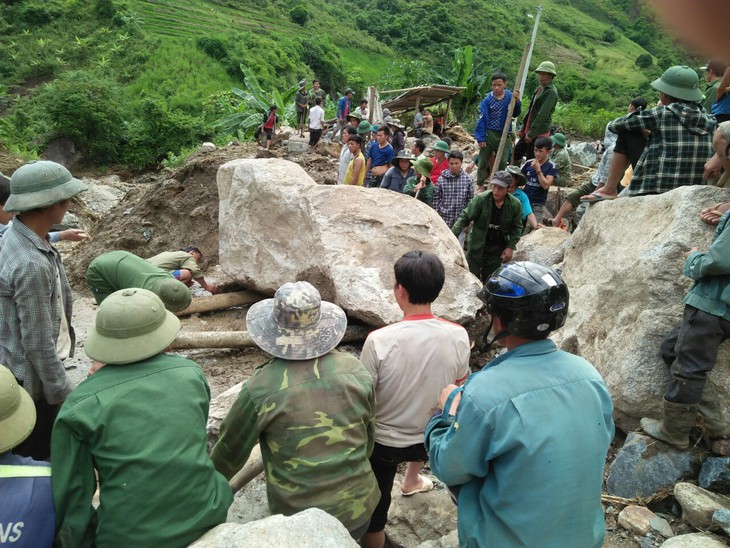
{"x": 430, "y": 95}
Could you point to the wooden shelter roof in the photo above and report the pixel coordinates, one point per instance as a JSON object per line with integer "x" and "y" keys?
{"x": 409, "y": 98}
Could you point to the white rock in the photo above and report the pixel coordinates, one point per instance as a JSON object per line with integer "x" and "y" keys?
{"x": 624, "y": 272}
{"x": 101, "y": 197}
{"x": 312, "y": 528}
{"x": 583, "y": 154}
{"x": 207, "y": 147}
{"x": 698, "y": 504}
{"x": 545, "y": 246}
{"x": 447, "y": 541}
{"x": 694, "y": 540}
{"x": 277, "y": 225}
{"x": 219, "y": 407}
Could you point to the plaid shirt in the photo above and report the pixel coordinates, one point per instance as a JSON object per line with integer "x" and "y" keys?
{"x": 30, "y": 310}
{"x": 680, "y": 144}
{"x": 452, "y": 194}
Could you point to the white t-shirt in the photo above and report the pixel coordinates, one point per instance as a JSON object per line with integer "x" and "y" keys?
{"x": 345, "y": 157}
{"x": 411, "y": 362}
{"x": 316, "y": 116}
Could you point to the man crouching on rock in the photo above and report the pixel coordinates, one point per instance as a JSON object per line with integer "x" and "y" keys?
{"x": 691, "y": 348}
{"x": 525, "y": 439}
{"x": 312, "y": 409}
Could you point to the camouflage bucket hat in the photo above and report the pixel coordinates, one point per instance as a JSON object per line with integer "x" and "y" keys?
{"x": 423, "y": 166}
{"x": 17, "y": 412}
{"x": 515, "y": 170}
{"x": 41, "y": 184}
{"x": 402, "y": 155}
{"x": 131, "y": 325}
{"x": 296, "y": 324}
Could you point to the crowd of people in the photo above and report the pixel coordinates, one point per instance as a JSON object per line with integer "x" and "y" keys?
{"x": 333, "y": 427}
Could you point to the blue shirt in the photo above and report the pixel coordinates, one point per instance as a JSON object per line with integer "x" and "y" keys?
{"x": 380, "y": 156}
{"x": 524, "y": 202}
{"x": 534, "y": 191}
{"x": 343, "y": 107}
{"x": 26, "y": 506}
{"x": 394, "y": 180}
{"x": 722, "y": 106}
{"x": 527, "y": 449}
{"x": 493, "y": 114}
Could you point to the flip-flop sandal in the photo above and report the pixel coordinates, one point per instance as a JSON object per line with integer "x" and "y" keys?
{"x": 427, "y": 486}
{"x": 593, "y": 198}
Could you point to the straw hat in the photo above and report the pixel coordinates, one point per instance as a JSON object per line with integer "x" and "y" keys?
{"x": 131, "y": 325}
{"x": 296, "y": 324}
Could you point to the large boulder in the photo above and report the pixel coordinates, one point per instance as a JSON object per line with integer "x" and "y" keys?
{"x": 583, "y": 154}
{"x": 545, "y": 246}
{"x": 277, "y": 225}
{"x": 624, "y": 271}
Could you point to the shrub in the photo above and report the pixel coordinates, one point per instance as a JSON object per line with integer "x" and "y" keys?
{"x": 610, "y": 36}
{"x": 299, "y": 14}
{"x": 644, "y": 61}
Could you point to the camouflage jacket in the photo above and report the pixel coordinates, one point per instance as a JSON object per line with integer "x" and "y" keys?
{"x": 561, "y": 159}
{"x": 315, "y": 421}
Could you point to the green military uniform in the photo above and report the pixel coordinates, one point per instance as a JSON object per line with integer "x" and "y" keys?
{"x": 117, "y": 270}
{"x": 177, "y": 260}
{"x": 316, "y": 426}
{"x": 479, "y": 210}
{"x": 540, "y": 113}
{"x": 322, "y": 94}
{"x": 562, "y": 162}
{"x": 425, "y": 194}
{"x": 710, "y": 95}
{"x": 142, "y": 427}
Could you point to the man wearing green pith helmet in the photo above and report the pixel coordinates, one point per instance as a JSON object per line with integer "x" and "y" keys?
{"x": 539, "y": 116}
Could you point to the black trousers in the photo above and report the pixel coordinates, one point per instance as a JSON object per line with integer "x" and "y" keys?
{"x": 525, "y": 149}
{"x": 38, "y": 445}
{"x": 690, "y": 350}
{"x": 314, "y": 136}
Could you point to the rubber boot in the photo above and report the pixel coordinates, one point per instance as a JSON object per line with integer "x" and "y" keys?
{"x": 679, "y": 418}
{"x": 713, "y": 416}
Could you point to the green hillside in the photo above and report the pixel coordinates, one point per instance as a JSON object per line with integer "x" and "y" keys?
{"x": 136, "y": 81}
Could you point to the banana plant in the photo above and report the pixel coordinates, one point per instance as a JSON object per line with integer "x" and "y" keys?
{"x": 472, "y": 75}
{"x": 250, "y": 104}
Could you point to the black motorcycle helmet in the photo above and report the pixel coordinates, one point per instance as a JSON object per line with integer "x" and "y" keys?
{"x": 530, "y": 299}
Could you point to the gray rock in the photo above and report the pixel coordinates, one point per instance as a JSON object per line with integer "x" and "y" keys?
{"x": 643, "y": 466}
{"x": 312, "y": 528}
{"x": 583, "y": 154}
{"x": 296, "y": 146}
{"x": 624, "y": 271}
{"x": 62, "y": 151}
{"x": 694, "y": 540}
{"x": 715, "y": 475}
{"x": 250, "y": 503}
{"x": 101, "y": 197}
{"x": 278, "y": 225}
{"x": 447, "y": 541}
{"x": 721, "y": 519}
{"x": 698, "y": 505}
{"x": 545, "y": 246}
{"x": 420, "y": 518}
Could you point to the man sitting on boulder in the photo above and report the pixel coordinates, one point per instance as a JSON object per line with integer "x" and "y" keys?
{"x": 138, "y": 425}
{"x": 680, "y": 144}
{"x": 496, "y": 229}
{"x": 408, "y": 361}
{"x": 183, "y": 265}
{"x": 522, "y": 445}
{"x": 117, "y": 270}
{"x": 690, "y": 349}
{"x": 312, "y": 409}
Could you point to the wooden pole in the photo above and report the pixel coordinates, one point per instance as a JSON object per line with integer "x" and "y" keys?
{"x": 253, "y": 467}
{"x": 241, "y": 339}
{"x": 508, "y": 121}
{"x": 218, "y": 302}
{"x": 446, "y": 117}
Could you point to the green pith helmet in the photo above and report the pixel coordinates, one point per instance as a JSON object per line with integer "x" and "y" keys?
{"x": 363, "y": 128}
{"x": 40, "y": 184}
{"x": 442, "y": 146}
{"x": 423, "y": 166}
{"x": 680, "y": 82}
{"x": 558, "y": 139}
{"x": 174, "y": 294}
{"x": 296, "y": 324}
{"x": 131, "y": 325}
{"x": 17, "y": 412}
{"x": 547, "y": 66}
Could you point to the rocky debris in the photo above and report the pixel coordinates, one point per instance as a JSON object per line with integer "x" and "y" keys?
{"x": 447, "y": 541}
{"x": 250, "y": 503}
{"x": 545, "y": 246}
{"x": 641, "y": 520}
{"x": 583, "y": 154}
{"x": 207, "y": 147}
{"x": 644, "y": 466}
{"x": 695, "y": 540}
{"x": 103, "y": 194}
{"x": 624, "y": 271}
{"x": 721, "y": 520}
{"x": 699, "y": 505}
{"x": 219, "y": 407}
{"x": 311, "y": 528}
{"x": 297, "y": 145}
{"x": 278, "y": 225}
{"x": 715, "y": 475}
{"x": 419, "y": 518}
{"x": 328, "y": 148}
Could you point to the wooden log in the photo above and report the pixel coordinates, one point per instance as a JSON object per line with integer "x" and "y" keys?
{"x": 241, "y": 339}
{"x": 221, "y": 301}
{"x": 253, "y": 467}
